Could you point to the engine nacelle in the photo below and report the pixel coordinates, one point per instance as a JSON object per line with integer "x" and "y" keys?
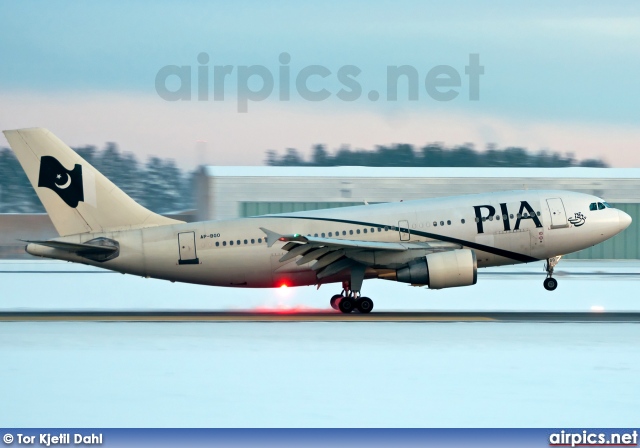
{"x": 442, "y": 270}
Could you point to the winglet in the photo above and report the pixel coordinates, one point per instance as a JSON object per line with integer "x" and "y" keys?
{"x": 272, "y": 237}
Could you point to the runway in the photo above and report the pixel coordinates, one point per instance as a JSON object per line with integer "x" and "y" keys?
{"x": 322, "y": 316}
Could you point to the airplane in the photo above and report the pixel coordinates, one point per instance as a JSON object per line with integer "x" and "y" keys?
{"x": 438, "y": 242}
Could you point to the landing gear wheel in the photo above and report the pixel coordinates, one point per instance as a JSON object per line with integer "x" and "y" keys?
{"x": 550, "y": 284}
{"x": 334, "y": 301}
{"x": 364, "y": 304}
{"x": 346, "y": 304}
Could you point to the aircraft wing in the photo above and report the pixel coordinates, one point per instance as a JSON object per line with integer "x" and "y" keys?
{"x": 333, "y": 255}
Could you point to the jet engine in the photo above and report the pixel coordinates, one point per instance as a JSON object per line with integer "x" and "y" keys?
{"x": 441, "y": 270}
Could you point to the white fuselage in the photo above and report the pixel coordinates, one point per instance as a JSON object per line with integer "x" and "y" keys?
{"x": 502, "y": 228}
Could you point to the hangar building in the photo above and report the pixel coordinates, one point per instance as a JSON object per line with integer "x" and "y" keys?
{"x": 234, "y": 192}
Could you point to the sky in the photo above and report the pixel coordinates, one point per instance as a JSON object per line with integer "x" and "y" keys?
{"x": 562, "y": 77}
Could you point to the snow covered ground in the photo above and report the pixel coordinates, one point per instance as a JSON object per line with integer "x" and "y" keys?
{"x": 319, "y": 374}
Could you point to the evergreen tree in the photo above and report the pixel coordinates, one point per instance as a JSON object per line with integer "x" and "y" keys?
{"x": 431, "y": 155}
{"x": 320, "y": 157}
{"x": 159, "y": 185}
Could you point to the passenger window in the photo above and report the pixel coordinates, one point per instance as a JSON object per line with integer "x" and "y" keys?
{"x": 350, "y": 232}
{"x": 358, "y": 231}
{"x": 230, "y": 243}
{"x": 259, "y": 240}
{"x": 538, "y": 213}
{"x": 372, "y": 230}
{"x": 315, "y": 235}
{"x": 448, "y": 223}
{"x": 600, "y": 206}
{"x": 462, "y": 221}
{"x": 246, "y": 242}
{"x": 593, "y": 206}
{"x": 365, "y": 230}
{"x": 435, "y": 224}
{"x": 224, "y": 243}
{"x": 379, "y": 229}
{"x": 511, "y": 215}
{"x": 330, "y": 234}
{"x": 441, "y": 223}
{"x": 217, "y": 243}
{"x": 344, "y": 232}
{"x": 322, "y": 234}
{"x": 497, "y": 217}
{"x": 253, "y": 241}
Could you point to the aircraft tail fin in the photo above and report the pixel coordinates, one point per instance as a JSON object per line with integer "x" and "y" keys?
{"x": 77, "y": 197}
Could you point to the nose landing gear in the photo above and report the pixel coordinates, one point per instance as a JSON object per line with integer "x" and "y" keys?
{"x": 551, "y": 283}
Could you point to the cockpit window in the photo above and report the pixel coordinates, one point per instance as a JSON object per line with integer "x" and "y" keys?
{"x": 593, "y": 206}
{"x": 600, "y": 206}
{"x": 607, "y": 205}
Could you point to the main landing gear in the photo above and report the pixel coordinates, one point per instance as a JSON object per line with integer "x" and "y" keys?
{"x": 551, "y": 283}
{"x": 349, "y": 301}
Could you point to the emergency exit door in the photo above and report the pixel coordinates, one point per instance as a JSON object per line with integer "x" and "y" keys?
{"x": 403, "y": 228}
{"x": 187, "y": 248}
{"x": 557, "y": 212}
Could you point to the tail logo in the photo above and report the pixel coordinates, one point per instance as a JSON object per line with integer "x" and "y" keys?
{"x": 67, "y": 184}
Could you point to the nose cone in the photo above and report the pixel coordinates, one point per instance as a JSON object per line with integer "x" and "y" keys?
{"x": 624, "y": 219}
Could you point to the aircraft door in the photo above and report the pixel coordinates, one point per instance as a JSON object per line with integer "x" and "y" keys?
{"x": 403, "y": 229}
{"x": 557, "y": 212}
{"x": 187, "y": 248}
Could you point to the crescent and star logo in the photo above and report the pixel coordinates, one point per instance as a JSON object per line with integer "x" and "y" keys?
{"x": 578, "y": 219}
{"x": 67, "y": 184}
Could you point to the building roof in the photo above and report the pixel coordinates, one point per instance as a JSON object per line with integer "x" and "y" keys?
{"x": 401, "y": 172}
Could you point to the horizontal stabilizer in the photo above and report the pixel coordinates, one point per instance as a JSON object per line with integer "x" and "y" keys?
{"x": 98, "y": 249}
{"x": 74, "y": 247}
